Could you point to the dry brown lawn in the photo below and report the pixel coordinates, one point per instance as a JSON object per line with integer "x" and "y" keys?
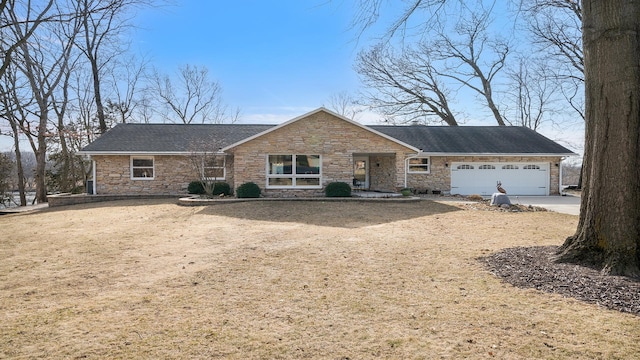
{"x": 287, "y": 280}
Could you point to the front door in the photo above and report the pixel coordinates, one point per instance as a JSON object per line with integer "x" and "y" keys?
{"x": 361, "y": 172}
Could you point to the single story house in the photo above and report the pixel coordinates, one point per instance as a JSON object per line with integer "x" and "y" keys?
{"x": 301, "y": 156}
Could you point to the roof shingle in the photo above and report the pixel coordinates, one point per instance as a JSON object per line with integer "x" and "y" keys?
{"x": 180, "y": 138}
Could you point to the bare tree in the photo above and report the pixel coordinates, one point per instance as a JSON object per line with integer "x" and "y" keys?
{"x": 534, "y": 93}
{"x": 556, "y": 30}
{"x": 127, "y": 89}
{"x": 405, "y": 87}
{"x": 192, "y": 97}
{"x": 6, "y": 168}
{"x": 416, "y": 84}
{"x": 103, "y": 24}
{"x": 43, "y": 64}
{"x": 14, "y": 113}
{"x": 208, "y": 163}
{"x": 344, "y": 104}
{"x": 29, "y": 20}
{"x": 556, "y": 26}
{"x": 466, "y": 58}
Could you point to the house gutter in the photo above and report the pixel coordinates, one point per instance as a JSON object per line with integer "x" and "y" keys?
{"x": 406, "y": 166}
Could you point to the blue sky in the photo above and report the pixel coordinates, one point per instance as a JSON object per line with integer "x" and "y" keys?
{"x": 274, "y": 59}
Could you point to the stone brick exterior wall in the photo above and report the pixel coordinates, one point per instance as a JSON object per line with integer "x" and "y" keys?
{"x": 440, "y": 177}
{"x": 172, "y": 175}
{"x": 335, "y": 140}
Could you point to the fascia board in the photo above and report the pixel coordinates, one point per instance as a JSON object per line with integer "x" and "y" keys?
{"x": 495, "y": 154}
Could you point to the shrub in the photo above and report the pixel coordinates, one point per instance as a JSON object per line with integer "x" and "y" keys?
{"x": 195, "y": 187}
{"x": 221, "y": 188}
{"x": 337, "y": 189}
{"x": 248, "y": 190}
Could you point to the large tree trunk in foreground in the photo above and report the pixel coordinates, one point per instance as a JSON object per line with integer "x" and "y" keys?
{"x": 608, "y": 233}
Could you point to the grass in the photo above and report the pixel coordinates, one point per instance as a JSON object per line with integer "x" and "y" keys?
{"x": 280, "y": 280}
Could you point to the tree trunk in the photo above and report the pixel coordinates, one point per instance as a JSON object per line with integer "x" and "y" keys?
{"x": 19, "y": 167}
{"x": 41, "y": 160}
{"x": 608, "y": 233}
{"x": 102, "y": 123}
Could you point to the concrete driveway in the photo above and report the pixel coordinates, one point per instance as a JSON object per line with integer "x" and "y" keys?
{"x": 567, "y": 204}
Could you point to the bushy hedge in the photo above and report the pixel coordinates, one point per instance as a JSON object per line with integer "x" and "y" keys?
{"x": 196, "y": 187}
{"x": 338, "y": 189}
{"x": 248, "y": 190}
{"x": 221, "y": 188}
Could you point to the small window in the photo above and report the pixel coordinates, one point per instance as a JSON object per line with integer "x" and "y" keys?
{"x": 464, "y": 167}
{"x": 142, "y": 168}
{"x": 214, "y": 168}
{"x": 419, "y": 165}
{"x": 486, "y": 167}
{"x": 509, "y": 167}
{"x": 531, "y": 167}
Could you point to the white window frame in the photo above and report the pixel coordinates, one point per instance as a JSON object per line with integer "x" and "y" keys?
{"x": 153, "y": 167}
{"x": 412, "y": 167}
{"x": 293, "y": 176}
{"x": 224, "y": 167}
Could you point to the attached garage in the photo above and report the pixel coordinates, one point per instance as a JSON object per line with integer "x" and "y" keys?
{"x": 517, "y": 178}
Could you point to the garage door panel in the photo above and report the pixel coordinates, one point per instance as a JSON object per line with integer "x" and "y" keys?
{"x": 516, "y": 178}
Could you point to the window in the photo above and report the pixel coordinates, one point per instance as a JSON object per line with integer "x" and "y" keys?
{"x": 142, "y": 167}
{"x": 293, "y": 171}
{"x": 464, "y": 167}
{"x": 486, "y": 167}
{"x": 419, "y": 165}
{"x": 214, "y": 167}
{"x": 531, "y": 167}
{"x": 509, "y": 167}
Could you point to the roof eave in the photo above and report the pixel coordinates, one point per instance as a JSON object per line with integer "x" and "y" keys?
{"x": 431, "y": 153}
{"x": 146, "y": 153}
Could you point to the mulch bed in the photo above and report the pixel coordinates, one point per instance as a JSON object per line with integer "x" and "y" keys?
{"x": 485, "y": 205}
{"x": 532, "y": 267}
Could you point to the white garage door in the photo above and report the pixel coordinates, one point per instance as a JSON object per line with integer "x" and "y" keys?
{"x": 480, "y": 178}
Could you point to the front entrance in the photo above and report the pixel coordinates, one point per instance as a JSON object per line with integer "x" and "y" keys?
{"x": 361, "y": 172}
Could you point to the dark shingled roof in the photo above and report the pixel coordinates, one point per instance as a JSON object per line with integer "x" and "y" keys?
{"x": 473, "y": 139}
{"x": 168, "y": 138}
{"x": 176, "y": 138}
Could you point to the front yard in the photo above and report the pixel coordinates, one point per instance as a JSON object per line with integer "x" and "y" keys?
{"x": 267, "y": 280}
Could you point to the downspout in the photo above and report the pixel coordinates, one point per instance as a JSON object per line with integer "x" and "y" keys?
{"x": 406, "y": 167}
{"x": 93, "y": 176}
{"x": 560, "y": 177}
